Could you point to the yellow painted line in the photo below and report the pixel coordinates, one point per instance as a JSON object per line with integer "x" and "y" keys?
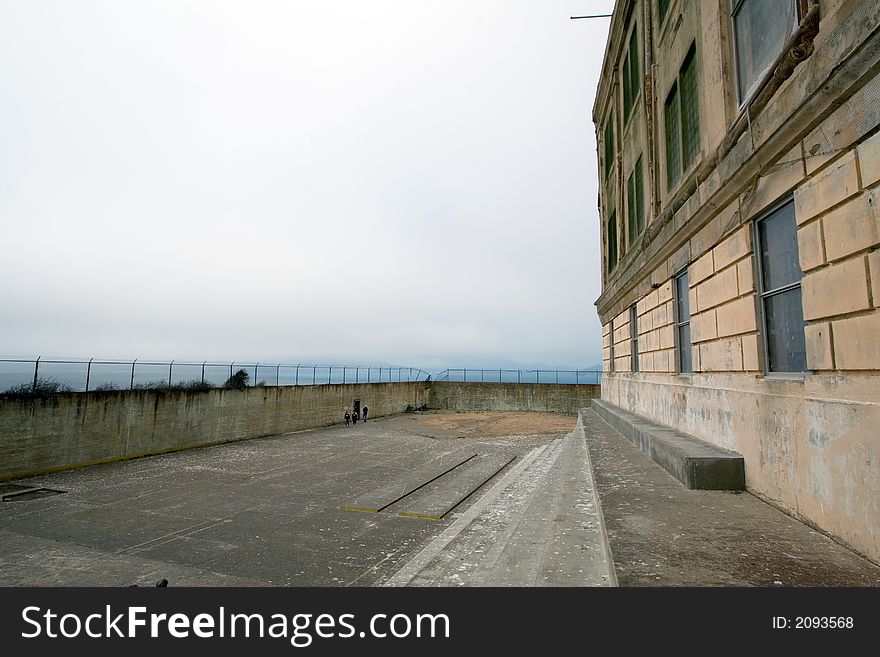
{"x": 354, "y": 508}
{"x": 420, "y": 515}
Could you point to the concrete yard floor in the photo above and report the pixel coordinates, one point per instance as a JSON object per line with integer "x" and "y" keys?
{"x": 266, "y": 512}
{"x": 262, "y": 512}
{"x": 662, "y": 534}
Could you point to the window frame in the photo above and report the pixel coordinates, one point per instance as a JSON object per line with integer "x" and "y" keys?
{"x": 677, "y": 321}
{"x": 744, "y": 96}
{"x": 661, "y": 13}
{"x": 630, "y": 85}
{"x": 763, "y": 294}
{"x": 635, "y": 203}
{"x": 611, "y": 235}
{"x": 685, "y": 163}
{"x": 634, "y": 338}
{"x": 609, "y": 143}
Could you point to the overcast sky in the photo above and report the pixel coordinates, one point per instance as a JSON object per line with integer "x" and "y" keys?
{"x": 403, "y": 181}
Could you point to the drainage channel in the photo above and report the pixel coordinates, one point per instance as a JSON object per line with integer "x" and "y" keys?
{"x": 22, "y": 493}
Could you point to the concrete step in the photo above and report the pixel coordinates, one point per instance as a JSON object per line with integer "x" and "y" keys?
{"x": 558, "y": 540}
{"x": 695, "y": 463}
{"x": 539, "y": 525}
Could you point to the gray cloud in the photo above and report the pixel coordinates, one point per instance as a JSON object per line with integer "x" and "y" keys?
{"x": 394, "y": 181}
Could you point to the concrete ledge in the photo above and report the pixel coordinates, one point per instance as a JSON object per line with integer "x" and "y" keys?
{"x": 696, "y": 464}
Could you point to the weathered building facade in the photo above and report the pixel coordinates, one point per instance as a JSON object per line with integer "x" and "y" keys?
{"x": 739, "y": 163}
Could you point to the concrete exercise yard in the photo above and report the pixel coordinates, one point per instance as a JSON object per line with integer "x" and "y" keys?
{"x": 252, "y": 513}
{"x": 269, "y": 512}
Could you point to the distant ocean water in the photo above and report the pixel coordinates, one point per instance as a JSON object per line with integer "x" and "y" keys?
{"x": 120, "y": 375}
{"x": 74, "y": 375}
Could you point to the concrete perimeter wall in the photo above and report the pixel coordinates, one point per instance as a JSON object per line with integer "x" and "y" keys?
{"x": 84, "y": 428}
{"x": 552, "y": 397}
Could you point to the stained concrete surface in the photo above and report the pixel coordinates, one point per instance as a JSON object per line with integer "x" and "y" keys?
{"x": 265, "y": 512}
{"x": 662, "y": 534}
{"x": 255, "y": 513}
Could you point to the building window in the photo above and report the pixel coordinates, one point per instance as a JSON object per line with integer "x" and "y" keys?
{"x": 612, "y": 242}
{"x": 761, "y": 29}
{"x": 634, "y": 333}
{"x": 682, "y": 121}
{"x": 631, "y": 75}
{"x": 779, "y": 277}
{"x": 609, "y": 145}
{"x": 683, "y": 323}
{"x": 635, "y": 203}
{"x": 662, "y": 8}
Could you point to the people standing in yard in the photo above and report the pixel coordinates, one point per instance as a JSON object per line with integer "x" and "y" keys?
{"x": 354, "y": 417}
{"x": 347, "y": 417}
{"x": 365, "y": 413}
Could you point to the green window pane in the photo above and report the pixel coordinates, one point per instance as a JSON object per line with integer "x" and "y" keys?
{"x": 673, "y": 138}
{"x": 609, "y": 145}
{"x": 690, "y": 111}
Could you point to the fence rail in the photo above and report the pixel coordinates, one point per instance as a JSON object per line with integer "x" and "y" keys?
{"x": 82, "y": 375}
{"x": 520, "y": 376}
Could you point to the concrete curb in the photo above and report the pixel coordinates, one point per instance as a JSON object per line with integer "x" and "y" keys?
{"x": 606, "y": 545}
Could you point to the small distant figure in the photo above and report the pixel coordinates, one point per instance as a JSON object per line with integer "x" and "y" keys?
{"x": 347, "y": 417}
{"x": 354, "y": 417}
{"x": 366, "y": 410}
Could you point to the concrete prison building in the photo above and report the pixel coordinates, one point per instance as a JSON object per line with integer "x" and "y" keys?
{"x": 739, "y": 164}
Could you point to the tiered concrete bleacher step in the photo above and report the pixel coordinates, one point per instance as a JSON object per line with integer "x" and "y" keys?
{"x": 695, "y": 463}
{"x": 441, "y": 496}
{"x": 539, "y": 525}
{"x": 407, "y": 483}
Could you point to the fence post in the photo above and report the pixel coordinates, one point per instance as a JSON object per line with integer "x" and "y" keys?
{"x": 203, "y": 371}
{"x": 577, "y": 377}
{"x": 131, "y": 386}
{"x": 344, "y": 367}
{"x": 357, "y": 374}
{"x": 380, "y": 375}
{"x": 330, "y": 375}
{"x": 278, "y": 375}
{"x": 230, "y": 368}
{"x": 518, "y": 373}
{"x": 169, "y": 372}
{"x": 314, "y": 374}
{"x": 36, "y": 370}
{"x": 369, "y": 370}
{"x": 256, "y": 367}
{"x": 296, "y": 377}
{"x": 89, "y": 372}
{"x": 557, "y": 376}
